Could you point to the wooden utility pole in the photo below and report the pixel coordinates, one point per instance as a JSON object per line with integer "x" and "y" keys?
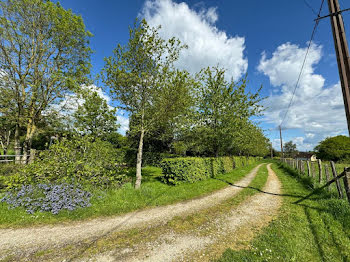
{"x": 342, "y": 52}
{"x": 281, "y": 142}
{"x": 271, "y": 151}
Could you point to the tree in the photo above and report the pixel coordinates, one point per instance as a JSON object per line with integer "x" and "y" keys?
{"x": 223, "y": 110}
{"x": 334, "y": 148}
{"x": 290, "y": 149}
{"x": 44, "y": 53}
{"x": 94, "y": 117}
{"x": 140, "y": 76}
{"x": 7, "y": 107}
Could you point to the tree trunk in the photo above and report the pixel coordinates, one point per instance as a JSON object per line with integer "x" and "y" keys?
{"x": 5, "y": 144}
{"x": 139, "y": 161}
{"x": 17, "y": 145}
{"x": 31, "y": 128}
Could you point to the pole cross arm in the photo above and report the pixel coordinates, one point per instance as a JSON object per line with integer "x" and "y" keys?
{"x": 332, "y": 14}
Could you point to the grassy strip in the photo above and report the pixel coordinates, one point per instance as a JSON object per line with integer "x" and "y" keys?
{"x": 125, "y": 199}
{"x": 135, "y": 238}
{"x": 317, "y": 229}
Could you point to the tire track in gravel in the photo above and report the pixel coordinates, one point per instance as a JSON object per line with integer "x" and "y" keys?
{"x": 241, "y": 224}
{"x": 25, "y": 241}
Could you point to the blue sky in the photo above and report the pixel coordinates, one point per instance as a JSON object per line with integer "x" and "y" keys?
{"x": 266, "y": 39}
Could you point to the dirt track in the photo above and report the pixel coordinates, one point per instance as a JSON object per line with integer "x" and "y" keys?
{"x": 241, "y": 224}
{"x": 28, "y": 240}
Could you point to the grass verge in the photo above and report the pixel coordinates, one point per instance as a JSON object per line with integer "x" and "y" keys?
{"x": 317, "y": 229}
{"x": 125, "y": 199}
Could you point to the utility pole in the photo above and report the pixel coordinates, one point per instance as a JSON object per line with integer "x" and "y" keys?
{"x": 271, "y": 151}
{"x": 342, "y": 52}
{"x": 281, "y": 142}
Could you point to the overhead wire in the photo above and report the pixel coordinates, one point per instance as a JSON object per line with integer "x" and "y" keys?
{"x": 303, "y": 64}
{"x": 310, "y": 7}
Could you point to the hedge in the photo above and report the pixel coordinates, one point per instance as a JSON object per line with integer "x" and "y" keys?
{"x": 192, "y": 169}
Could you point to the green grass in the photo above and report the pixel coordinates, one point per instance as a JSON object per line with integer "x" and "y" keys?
{"x": 317, "y": 229}
{"x": 314, "y": 181}
{"x": 126, "y": 199}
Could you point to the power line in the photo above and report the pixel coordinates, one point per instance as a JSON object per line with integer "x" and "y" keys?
{"x": 310, "y": 7}
{"x": 302, "y": 67}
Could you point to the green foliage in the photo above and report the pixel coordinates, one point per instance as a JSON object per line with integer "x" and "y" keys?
{"x": 142, "y": 77}
{"x": 94, "y": 117}
{"x": 334, "y": 148}
{"x": 220, "y": 123}
{"x": 78, "y": 160}
{"x": 48, "y": 48}
{"x": 290, "y": 149}
{"x": 192, "y": 169}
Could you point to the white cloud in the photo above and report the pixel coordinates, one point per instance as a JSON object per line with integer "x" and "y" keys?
{"x": 123, "y": 120}
{"x": 207, "y": 45}
{"x": 71, "y": 102}
{"x": 316, "y": 110}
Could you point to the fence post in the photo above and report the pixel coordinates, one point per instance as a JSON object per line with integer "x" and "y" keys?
{"x": 319, "y": 170}
{"x": 18, "y": 157}
{"x": 313, "y": 172}
{"x": 308, "y": 168}
{"x": 302, "y": 167}
{"x": 326, "y": 171}
{"x": 334, "y": 172}
{"x": 347, "y": 183}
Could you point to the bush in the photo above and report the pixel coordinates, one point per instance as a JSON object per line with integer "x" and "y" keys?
{"x": 48, "y": 197}
{"x": 178, "y": 170}
{"x": 80, "y": 160}
{"x": 192, "y": 169}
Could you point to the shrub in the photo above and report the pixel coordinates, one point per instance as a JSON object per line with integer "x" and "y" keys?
{"x": 80, "y": 160}
{"x": 8, "y": 169}
{"x": 48, "y": 197}
{"x": 192, "y": 169}
{"x": 179, "y": 170}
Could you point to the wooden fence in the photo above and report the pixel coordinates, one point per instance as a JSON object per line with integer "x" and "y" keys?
{"x": 18, "y": 159}
{"x": 321, "y": 173}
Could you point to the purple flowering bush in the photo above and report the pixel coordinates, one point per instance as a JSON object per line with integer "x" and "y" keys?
{"x": 48, "y": 198}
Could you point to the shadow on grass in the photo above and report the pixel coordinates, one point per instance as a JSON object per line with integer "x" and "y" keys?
{"x": 328, "y": 204}
{"x": 314, "y": 233}
{"x": 149, "y": 174}
{"x": 257, "y": 189}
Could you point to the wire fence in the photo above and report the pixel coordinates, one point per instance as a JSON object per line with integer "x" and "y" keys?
{"x": 324, "y": 174}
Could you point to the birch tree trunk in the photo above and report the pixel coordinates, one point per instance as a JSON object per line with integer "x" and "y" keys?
{"x": 139, "y": 161}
